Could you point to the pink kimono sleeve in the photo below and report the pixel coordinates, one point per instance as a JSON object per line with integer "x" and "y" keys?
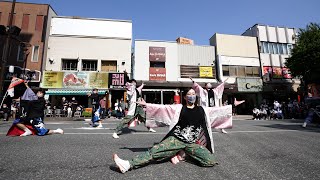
{"x": 161, "y": 115}
{"x": 220, "y": 117}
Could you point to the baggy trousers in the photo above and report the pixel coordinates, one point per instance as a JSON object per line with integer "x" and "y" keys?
{"x": 126, "y": 120}
{"x": 169, "y": 147}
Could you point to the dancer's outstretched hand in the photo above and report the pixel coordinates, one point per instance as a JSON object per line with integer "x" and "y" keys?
{"x": 142, "y": 102}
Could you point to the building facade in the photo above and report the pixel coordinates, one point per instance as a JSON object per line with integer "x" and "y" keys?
{"x": 238, "y": 64}
{"x": 275, "y": 45}
{"x": 165, "y": 68}
{"x": 34, "y": 21}
{"x": 86, "y": 53}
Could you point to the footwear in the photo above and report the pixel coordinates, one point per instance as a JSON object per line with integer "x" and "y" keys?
{"x": 123, "y": 165}
{"x": 224, "y": 131}
{"x": 152, "y": 130}
{"x": 115, "y": 135}
{"x": 59, "y": 131}
{"x": 100, "y": 126}
{"x": 304, "y": 125}
{"x": 26, "y": 133}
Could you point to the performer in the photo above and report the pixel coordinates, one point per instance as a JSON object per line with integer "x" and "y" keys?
{"x": 30, "y": 119}
{"x": 135, "y": 110}
{"x": 190, "y": 131}
{"x": 95, "y": 117}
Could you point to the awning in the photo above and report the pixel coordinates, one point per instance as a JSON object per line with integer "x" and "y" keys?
{"x": 72, "y": 91}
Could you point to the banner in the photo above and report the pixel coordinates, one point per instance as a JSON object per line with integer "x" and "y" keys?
{"x": 22, "y": 73}
{"x": 249, "y": 84}
{"x": 286, "y": 73}
{"x": 157, "y": 74}
{"x": 157, "y": 54}
{"x": 117, "y": 80}
{"x": 205, "y": 71}
{"x": 75, "y": 80}
{"x": 267, "y": 73}
{"x": 277, "y": 72}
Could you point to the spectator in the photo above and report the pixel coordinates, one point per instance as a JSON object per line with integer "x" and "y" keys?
{"x": 5, "y": 111}
{"x": 74, "y": 104}
{"x": 103, "y": 104}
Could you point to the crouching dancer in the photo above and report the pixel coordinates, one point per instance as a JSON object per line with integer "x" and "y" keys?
{"x": 190, "y": 131}
{"x": 31, "y": 118}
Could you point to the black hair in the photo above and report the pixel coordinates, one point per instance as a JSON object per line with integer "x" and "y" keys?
{"x": 133, "y": 80}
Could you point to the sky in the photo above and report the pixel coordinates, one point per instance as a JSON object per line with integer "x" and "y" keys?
{"x": 197, "y": 20}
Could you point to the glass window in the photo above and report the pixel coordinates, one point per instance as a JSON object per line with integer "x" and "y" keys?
{"x": 270, "y": 48}
{"x": 249, "y": 71}
{"x": 70, "y": 64}
{"x": 284, "y": 47}
{"x": 289, "y": 48}
{"x": 35, "y": 54}
{"x": 157, "y": 64}
{"x": 20, "y": 54}
{"x": 275, "y": 48}
{"x": 280, "y": 48}
{"x": 89, "y": 65}
{"x": 255, "y": 71}
{"x": 233, "y": 70}
{"x": 241, "y": 71}
{"x": 225, "y": 70}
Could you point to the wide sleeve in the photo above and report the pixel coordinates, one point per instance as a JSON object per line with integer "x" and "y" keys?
{"x": 202, "y": 93}
{"x": 130, "y": 89}
{"x": 140, "y": 88}
{"x": 161, "y": 115}
{"x": 220, "y": 117}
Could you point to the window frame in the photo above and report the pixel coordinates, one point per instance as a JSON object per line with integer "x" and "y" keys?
{"x": 62, "y": 64}
{"x": 89, "y": 60}
{"x": 33, "y": 53}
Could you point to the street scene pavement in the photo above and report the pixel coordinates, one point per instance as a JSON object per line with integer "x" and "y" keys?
{"x": 275, "y": 149}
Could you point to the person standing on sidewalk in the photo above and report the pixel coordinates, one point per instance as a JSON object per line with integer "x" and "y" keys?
{"x": 103, "y": 104}
{"x": 74, "y": 105}
{"x": 135, "y": 110}
{"x": 95, "y": 108}
{"x": 190, "y": 131}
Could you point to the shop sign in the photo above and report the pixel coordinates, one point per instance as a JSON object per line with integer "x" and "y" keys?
{"x": 277, "y": 73}
{"x": 157, "y": 74}
{"x": 286, "y": 73}
{"x": 249, "y": 84}
{"x": 22, "y": 73}
{"x": 157, "y": 54}
{"x": 117, "y": 80}
{"x": 205, "y": 71}
{"x": 75, "y": 80}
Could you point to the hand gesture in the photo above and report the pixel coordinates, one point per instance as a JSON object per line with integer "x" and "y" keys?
{"x": 143, "y": 84}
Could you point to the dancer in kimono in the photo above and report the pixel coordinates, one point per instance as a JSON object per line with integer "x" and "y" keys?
{"x": 190, "y": 131}
{"x": 209, "y": 97}
{"x": 135, "y": 110}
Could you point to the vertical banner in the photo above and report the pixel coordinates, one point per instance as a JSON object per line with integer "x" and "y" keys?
{"x": 157, "y": 54}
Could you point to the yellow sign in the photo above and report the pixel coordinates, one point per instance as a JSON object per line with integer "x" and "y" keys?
{"x": 52, "y": 79}
{"x": 205, "y": 71}
{"x": 75, "y": 80}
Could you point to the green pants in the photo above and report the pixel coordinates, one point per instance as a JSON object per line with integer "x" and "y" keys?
{"x": 169, "y": 148}
{"x": 139, "y": 113}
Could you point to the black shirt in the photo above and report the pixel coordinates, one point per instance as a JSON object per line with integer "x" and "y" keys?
{"x": 36, "y": 108}
{"x": 190, "y": 124}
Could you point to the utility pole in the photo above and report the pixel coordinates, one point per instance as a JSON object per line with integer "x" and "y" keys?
{"x": 5, "y": 54}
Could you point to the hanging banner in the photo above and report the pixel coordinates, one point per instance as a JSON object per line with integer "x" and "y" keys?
{"x": 205, "y": 71}
{"x": 75, "y": 80}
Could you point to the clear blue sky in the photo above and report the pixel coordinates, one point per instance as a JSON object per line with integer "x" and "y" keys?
{"x": 198, "y": 20}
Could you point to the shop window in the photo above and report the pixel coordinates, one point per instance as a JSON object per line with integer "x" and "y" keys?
{"x": 109, "y": 66}
{"x": 225, "y": 70}
{"x": 89, "y": 65}
{"x": 35, "y": 54}
{"x": 157, "y": 64}
{"x": 233, "y": 70}
{"x": 69, "y": 64}
{"x": 25, "y": 22}
{"x": 255, "y": 71}
{"x": 249, "y": 72}
{"x": 241, "y": 71}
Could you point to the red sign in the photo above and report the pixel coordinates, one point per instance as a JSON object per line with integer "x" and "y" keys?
{"x": 277, "y": 72}
{"x": 157, "y": 74}
{"x": 286, "y": 73}
{"x": 157, "y": 54}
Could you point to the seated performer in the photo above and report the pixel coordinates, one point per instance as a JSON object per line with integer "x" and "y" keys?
{"x": 190, "y": 131}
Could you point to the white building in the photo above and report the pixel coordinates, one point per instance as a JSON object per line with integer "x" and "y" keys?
{"x": 86, "y": 47}
{"x": 238, "y": 64}
{"x": 275, "y": 45}
{"x": 165, "y": 67}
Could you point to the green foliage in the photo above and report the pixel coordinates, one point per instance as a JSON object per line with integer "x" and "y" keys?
{"x": 305, "y": 58}
{"x": 86, "y": 114}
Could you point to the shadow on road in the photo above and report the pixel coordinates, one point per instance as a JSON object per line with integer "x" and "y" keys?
{"x": 311, "y": 128}
{"x": 136, "y": 149}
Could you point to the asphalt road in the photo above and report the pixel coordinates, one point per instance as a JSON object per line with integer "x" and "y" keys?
{"x": 251, "y": 150}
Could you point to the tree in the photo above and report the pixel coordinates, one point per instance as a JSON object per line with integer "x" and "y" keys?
{"x": 305, "y": 58}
